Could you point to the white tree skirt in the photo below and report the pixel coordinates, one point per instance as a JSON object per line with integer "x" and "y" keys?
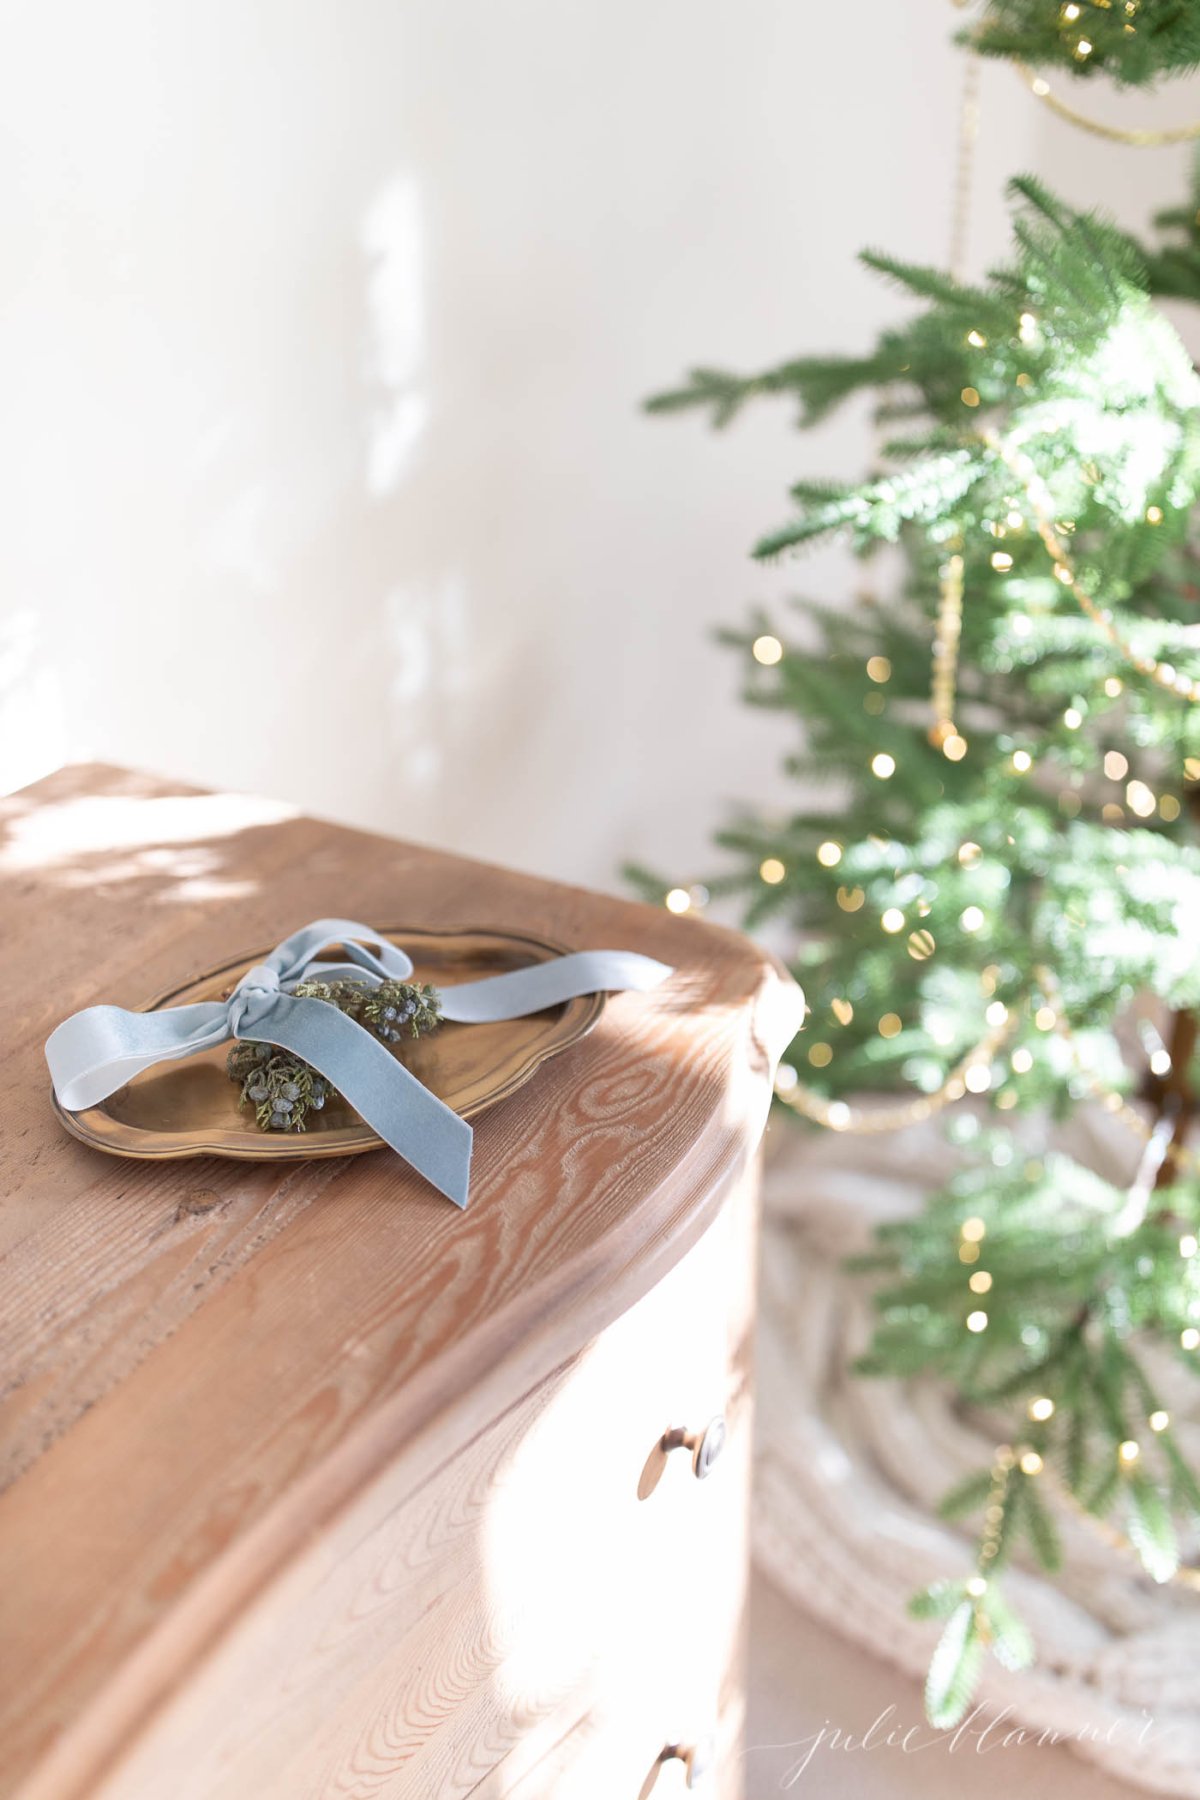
{"x": 849, "y": 1473}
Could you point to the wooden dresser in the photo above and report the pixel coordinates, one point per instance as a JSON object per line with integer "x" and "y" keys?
{"x": 314, "y": 1486}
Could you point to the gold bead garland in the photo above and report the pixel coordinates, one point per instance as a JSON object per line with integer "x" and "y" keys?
{"x": 1117, "y": 134}
{"x": 859, "y": 1121}
{"x": 1040, "y": 500}
{"x": 943, "y": 732}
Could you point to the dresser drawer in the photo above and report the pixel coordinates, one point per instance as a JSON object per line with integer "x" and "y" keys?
{"x": 539, "y": 1615}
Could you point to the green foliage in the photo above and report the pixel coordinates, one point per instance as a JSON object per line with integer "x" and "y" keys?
{"x": 999, "y": 915}
{"x": 283, "y": 1090}
{"x": 954, "y": 1667}
{"x": 1133, "y": 41}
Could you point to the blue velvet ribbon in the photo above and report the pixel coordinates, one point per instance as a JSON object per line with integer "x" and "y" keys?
{"x": 97, "y": 1051}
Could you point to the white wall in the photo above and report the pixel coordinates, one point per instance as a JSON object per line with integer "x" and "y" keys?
{"x": 322, "y": 333}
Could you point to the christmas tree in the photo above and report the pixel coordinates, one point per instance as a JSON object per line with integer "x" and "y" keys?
{"x": 992, "y": 879}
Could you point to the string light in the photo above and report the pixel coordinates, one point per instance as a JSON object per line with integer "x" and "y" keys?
{"x": 829, "y": 854}
{"x": 678, "y": 900}
{"x": 1022, "y": 762}
{"x": 1159, "y": 1421}
{"x": 971, "y": 919}
{"x": 1129, "y": 1451}
{"x": 973, "y": 1230}
{"x": 842, "y": 1011}
{"x": 1041, "y": 1409}
{"x": 1116, "y": 766}
{"x": 767, "y": 650}
{"x": 980, "y": 1282}
{"x": 977, "y": 1321}
{"x": 1031, "y": 1463}
{"x": 1189, "y": 1337}
{"x": 1187, "y": 1245}
{"x": 892, "y": 920}
{"x": 772, "y": 871}
{"x": 879, "y": 668}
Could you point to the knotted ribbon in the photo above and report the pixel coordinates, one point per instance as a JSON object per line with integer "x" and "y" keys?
{"x": 95, "y": 1052}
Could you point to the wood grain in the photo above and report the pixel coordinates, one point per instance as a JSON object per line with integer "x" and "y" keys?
{"x": 205, "y": 1364}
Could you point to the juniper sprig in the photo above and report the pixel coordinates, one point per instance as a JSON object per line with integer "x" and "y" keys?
{"x": 283, "y": 1089}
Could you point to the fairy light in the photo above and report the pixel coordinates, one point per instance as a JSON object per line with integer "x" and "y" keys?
{"x": 1041, "y": 1409}
{"x": 1169, "y": 807}
{"x": 767, "y": 650}
{"x": 829, "y": 854}
{"x": 1160, "y": 1062}
{"x": 970, "y": 396}
{"x": 1027, "y": 328}
{"x": 1116, "y": 766}
{"x": 921, "y": 945}
{"x": 772, "y": 871}
{"x": 1140, "y": 799}
{"x": 972, "y": 918}
{"x": 1072, "y": 718}
{"x": 1022, "y": 762}
{"x": 1159, "y": 1421}
{"x": 678, "y": 900}
{"x": 1129, "y": 1451}
{"x": 851, "y": 899}
{"x": 786, "y": 1078}
{"x": 1154, "y": 515}
{"x": 1031, "y": 1463}
{"x": 842, "y": 1011}
{"x": 1045, "y": 1018}
{"x": 996, "y": 1013}
{"x": 879, "y": 668}
{"x": 891, "y": 1025}
{"x": 883, "y": 766}
{"x": 977, "y": 1587}
{"x": 1022, "y": 1061}
{"x": 980, "y": 1282}
{"x": 977, "y": 340}
{"x": 972, "y": 1231}
{"x": 978, "y": 1078}
{"x": 1187, "y": 1245}
{"x": 892, "y": 920}
{"x": 1001, "y": 561}
{"x": 1189, "y": 1337}
{"x": 977, "y": 1321}
{"x": 954, "y": 748}
{"x": 1114, "y": 686}
{"x": 820, "y": 1055}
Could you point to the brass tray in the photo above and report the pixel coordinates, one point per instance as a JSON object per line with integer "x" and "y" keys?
{"x": 190, "y": 1108}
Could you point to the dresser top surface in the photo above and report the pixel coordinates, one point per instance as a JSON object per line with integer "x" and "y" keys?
{"x": 187, "y": 1344}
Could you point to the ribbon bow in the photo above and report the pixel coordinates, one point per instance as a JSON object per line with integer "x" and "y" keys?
{"x": 95, "y": 1052}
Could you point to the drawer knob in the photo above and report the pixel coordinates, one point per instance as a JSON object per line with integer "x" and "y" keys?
{"x": 697, "y": 1760}
{"x": 705, "y": 1446}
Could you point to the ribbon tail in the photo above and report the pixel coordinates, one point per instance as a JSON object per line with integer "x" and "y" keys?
{"x": 95, "y": 1052}
{"x": 418, "y": 1126}
{"x": 524, "y": 991}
